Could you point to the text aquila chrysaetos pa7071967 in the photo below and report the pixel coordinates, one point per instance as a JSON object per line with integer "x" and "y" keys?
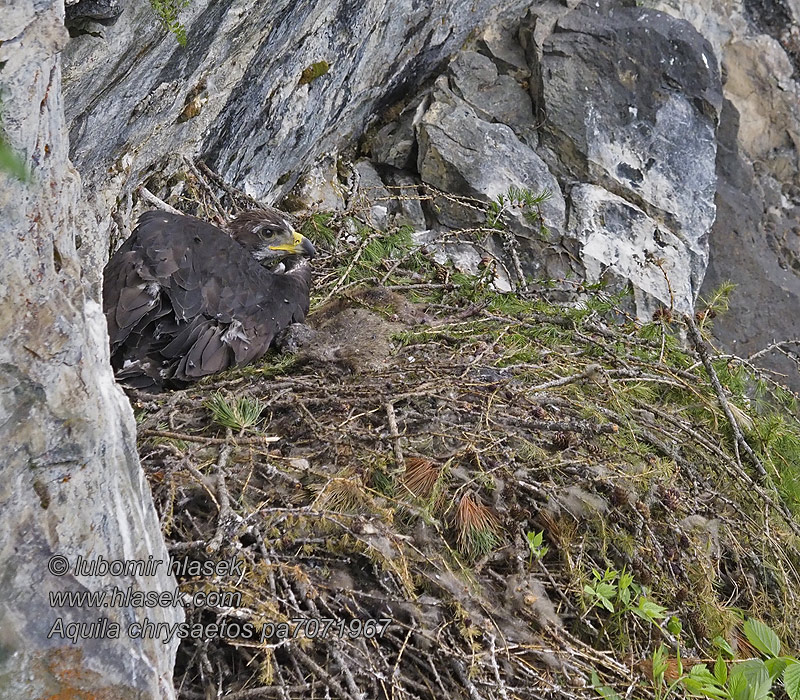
{"x": 183, "y": 299}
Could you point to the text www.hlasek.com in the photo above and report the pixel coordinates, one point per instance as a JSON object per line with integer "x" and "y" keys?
{"x": 103, "y": 628}
{"x": 129, "y": 597}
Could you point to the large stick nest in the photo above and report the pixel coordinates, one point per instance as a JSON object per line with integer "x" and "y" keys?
{"x": 392, "y": 472}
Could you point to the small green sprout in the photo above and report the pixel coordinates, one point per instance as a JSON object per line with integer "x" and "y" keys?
{"x": 238, "y": 415}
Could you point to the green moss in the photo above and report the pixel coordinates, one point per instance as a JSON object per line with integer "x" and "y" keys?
{"x": 314, "y": 71}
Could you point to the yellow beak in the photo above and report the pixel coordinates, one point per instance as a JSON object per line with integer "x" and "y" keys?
{"x": 300, "y": 245}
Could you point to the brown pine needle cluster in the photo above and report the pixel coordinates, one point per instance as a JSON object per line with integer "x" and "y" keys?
{"x": 344, "y": 495}
{"x": 675, "y": 668}
{"x": 420, "y": 477}
{"x": 477, "y": 527}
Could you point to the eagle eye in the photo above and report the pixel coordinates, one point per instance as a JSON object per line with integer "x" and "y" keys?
{"x": 267, "y": 230}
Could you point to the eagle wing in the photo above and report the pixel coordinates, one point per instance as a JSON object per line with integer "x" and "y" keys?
{"x": 183, "y": 299}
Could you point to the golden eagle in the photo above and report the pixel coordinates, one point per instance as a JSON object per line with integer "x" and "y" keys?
{"x": 183, "y": 299}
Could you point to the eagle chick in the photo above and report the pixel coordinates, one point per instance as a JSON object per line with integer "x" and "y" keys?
{"x": 183, "y": 299}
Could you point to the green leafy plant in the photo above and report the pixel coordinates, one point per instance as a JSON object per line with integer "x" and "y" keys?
{"x": 168, "y": 12}
{"x": 537, "y": 549}
{"x": 751, "y": 679}
{"x": 604, "y": 691}
{"x": 617, "y": 592}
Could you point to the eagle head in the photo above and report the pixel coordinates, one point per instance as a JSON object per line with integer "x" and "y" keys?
{"x": 269, "y": 237}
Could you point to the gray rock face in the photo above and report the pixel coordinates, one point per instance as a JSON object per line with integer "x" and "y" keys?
{"x": 462, "y": 153}
{"x": 70, "y": 480}
{"x": 620, "y": 242}
{"x": 611, "y": 88}
{"x": 80, "y": 14}
{"x": 632, "y": 99}
{"x": 495, "y": 96}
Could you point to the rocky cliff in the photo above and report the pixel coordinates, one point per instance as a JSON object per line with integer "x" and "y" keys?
{"x": 547, "y": 147}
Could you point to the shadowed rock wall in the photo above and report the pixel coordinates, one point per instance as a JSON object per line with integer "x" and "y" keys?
{"x": 244, "y": 93}
{"x": 755, "y": 240}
